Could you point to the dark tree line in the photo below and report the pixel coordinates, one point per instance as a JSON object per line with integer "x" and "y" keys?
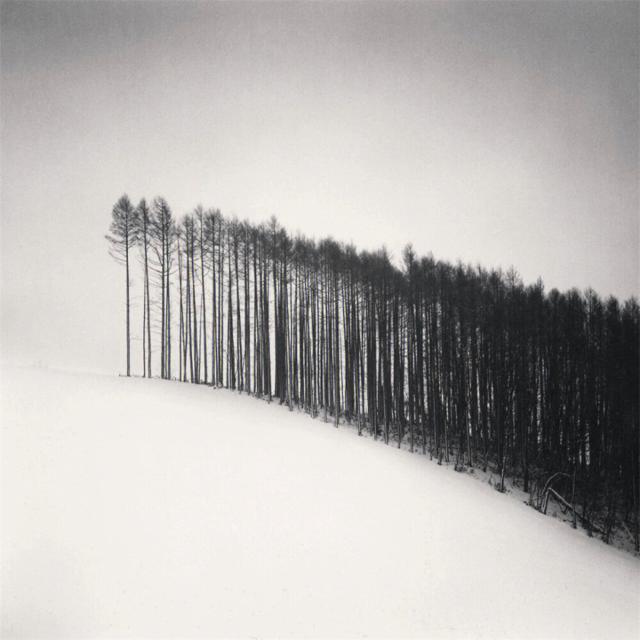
{"x": 468, "y": 365}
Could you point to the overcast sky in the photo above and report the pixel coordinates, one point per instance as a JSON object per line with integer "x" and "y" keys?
{"x": 498, "y": 133}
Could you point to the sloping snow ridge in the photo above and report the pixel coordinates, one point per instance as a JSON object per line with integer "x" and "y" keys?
{"x": 146, "y": 508}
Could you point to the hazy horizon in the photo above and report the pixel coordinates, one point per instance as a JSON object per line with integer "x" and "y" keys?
{"x": 499, "y": 134}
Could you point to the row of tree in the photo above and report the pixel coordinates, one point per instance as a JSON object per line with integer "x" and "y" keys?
{"x": 467, "y": 365}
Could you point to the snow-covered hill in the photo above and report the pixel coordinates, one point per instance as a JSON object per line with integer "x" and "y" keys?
{"x": 148, "y": 508}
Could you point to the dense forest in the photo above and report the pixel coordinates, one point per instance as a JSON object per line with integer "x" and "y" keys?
{"x": 467, "y": 365}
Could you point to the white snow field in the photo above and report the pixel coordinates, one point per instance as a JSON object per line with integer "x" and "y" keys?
{"x": 136, "y": 508}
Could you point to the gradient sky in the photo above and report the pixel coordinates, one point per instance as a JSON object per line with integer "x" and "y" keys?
{"x": 498, "y": 133}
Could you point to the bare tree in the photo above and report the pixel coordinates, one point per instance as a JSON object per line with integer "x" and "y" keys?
{"x": 122, "y": 237}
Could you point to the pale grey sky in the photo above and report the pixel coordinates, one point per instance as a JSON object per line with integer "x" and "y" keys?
{"x": 499, "y": 133}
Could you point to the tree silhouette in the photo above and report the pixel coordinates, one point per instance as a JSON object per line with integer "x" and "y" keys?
{"x": 122, "y": 237}
{"x": 469, "y": 366}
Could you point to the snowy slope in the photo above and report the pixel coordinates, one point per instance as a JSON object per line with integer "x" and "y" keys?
{"x": 150, "y": 508}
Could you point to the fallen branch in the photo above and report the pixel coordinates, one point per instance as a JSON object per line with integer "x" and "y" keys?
{"x": 570, "y": 507}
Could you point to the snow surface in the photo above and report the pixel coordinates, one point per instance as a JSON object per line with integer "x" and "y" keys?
{"x": 151, "y": 508}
